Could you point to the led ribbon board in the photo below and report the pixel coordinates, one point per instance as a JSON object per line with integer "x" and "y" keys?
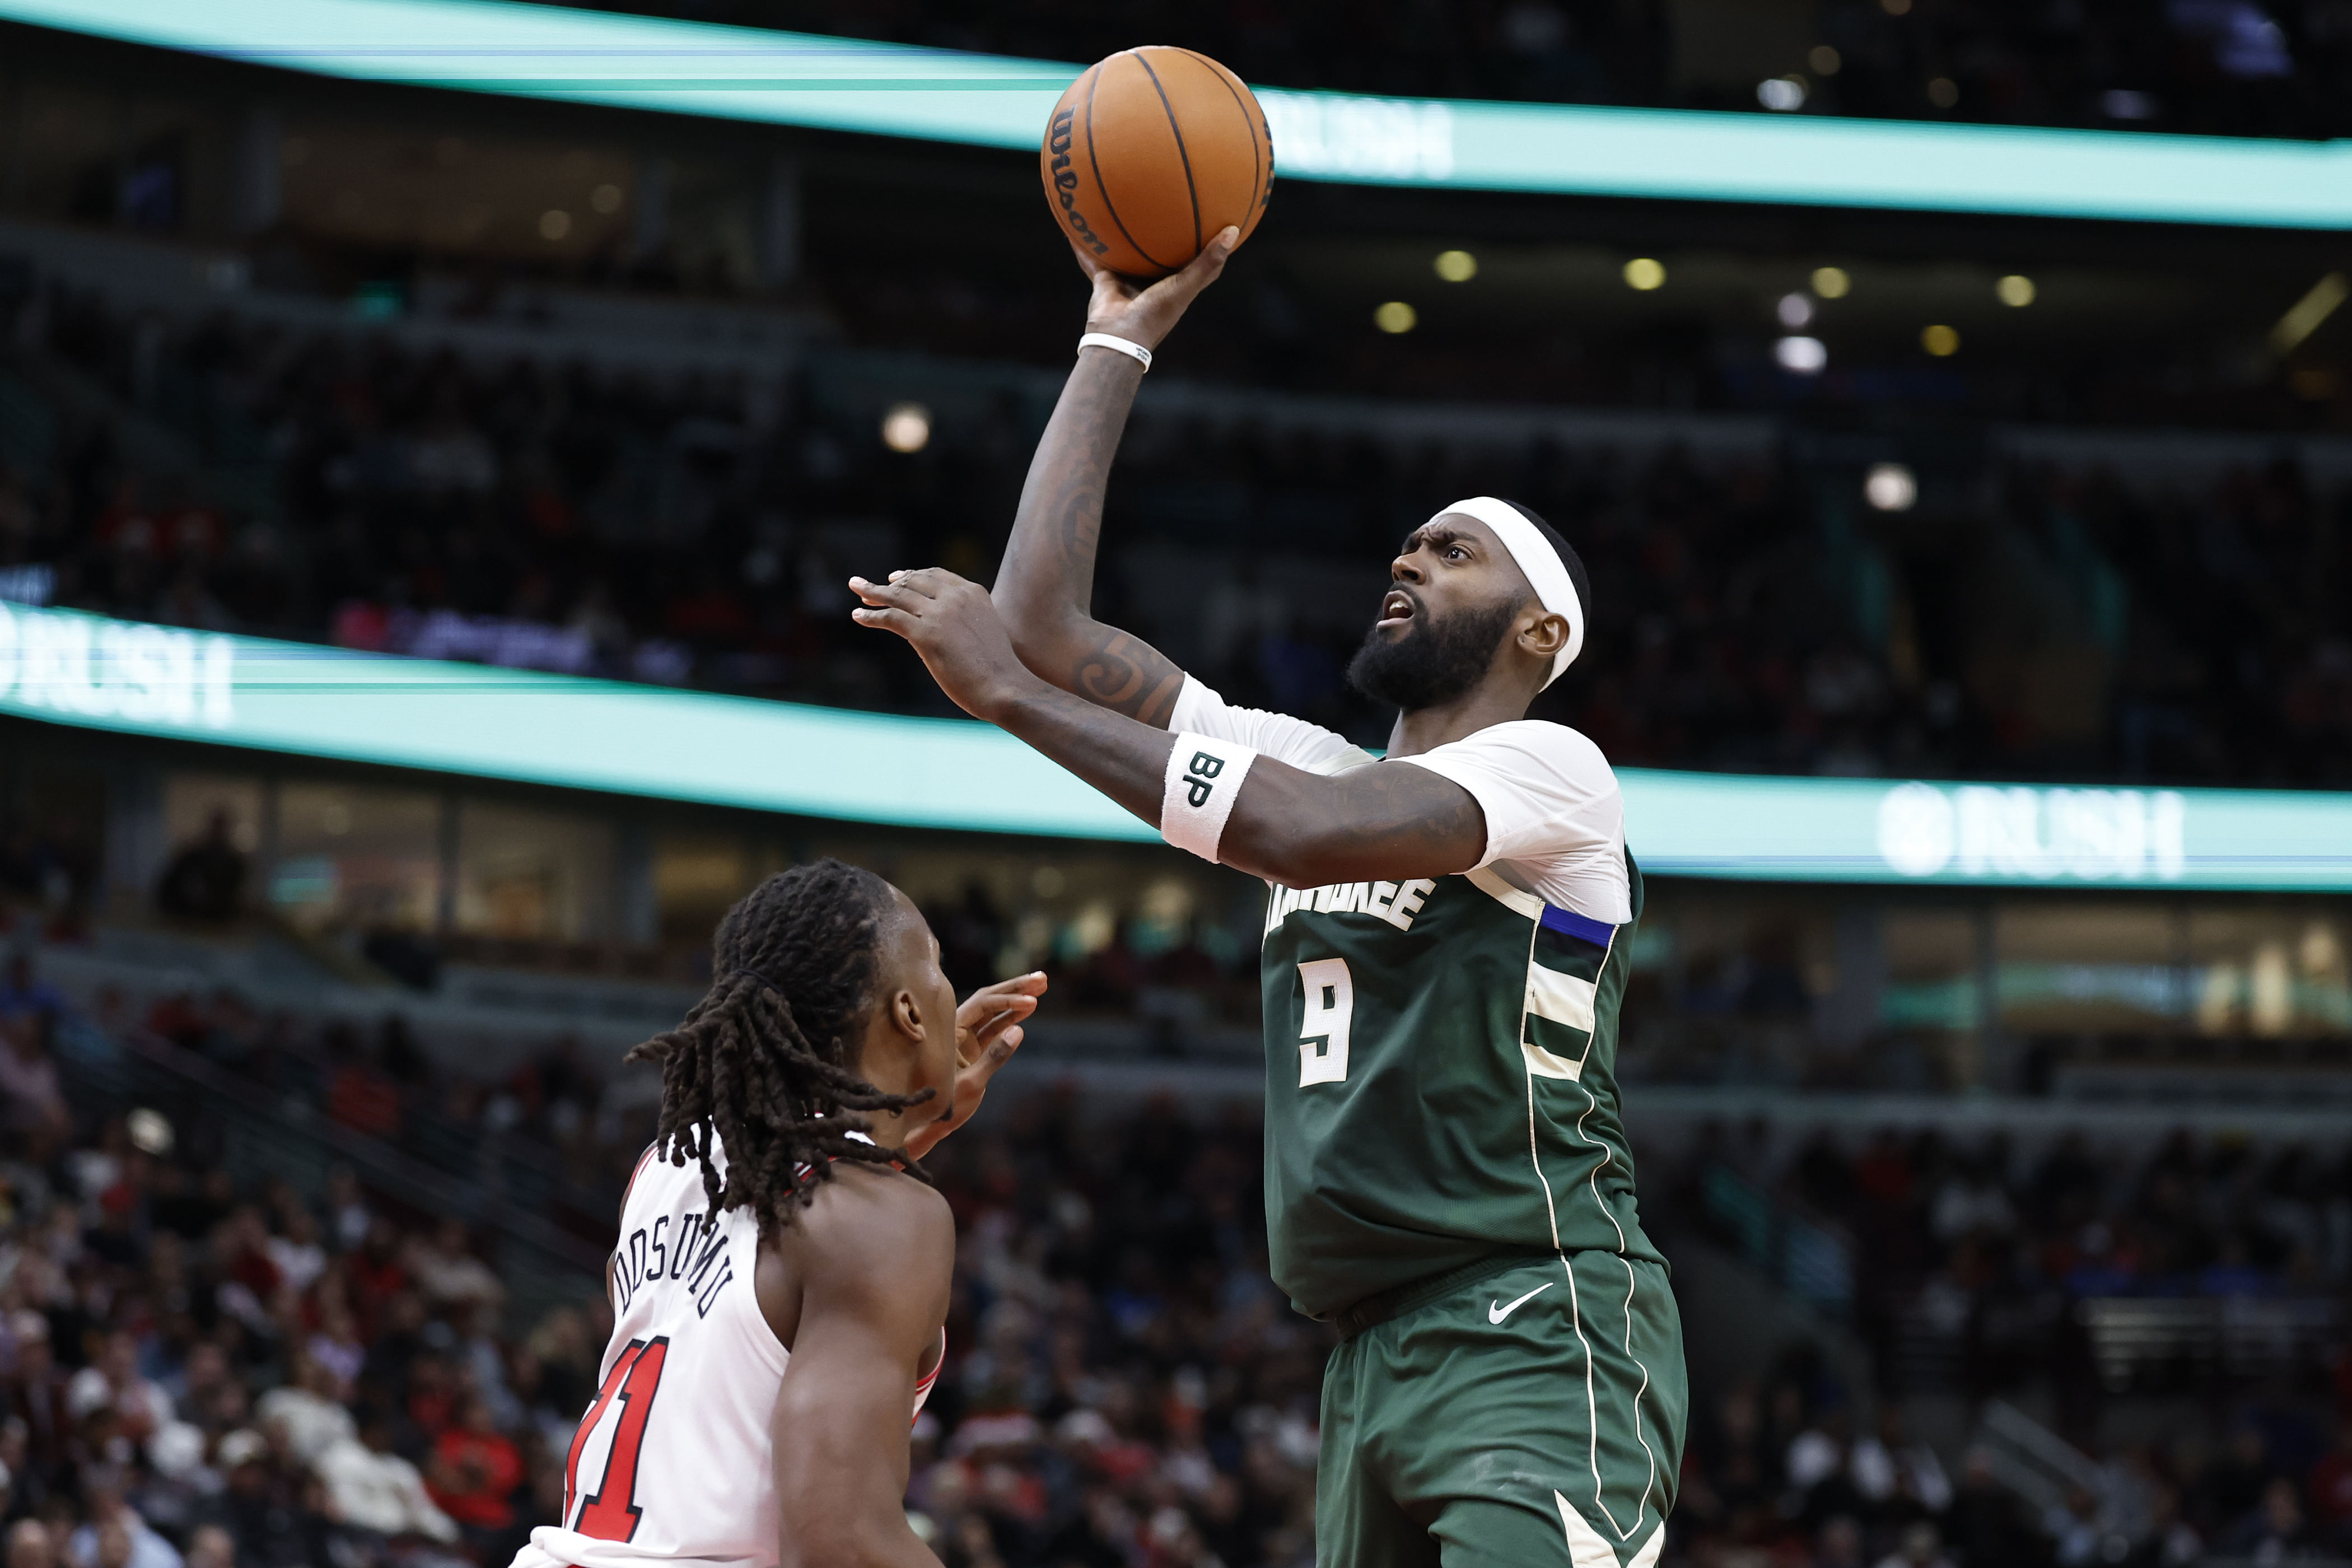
{"x": 649, "y": 742}
{"x": 848, "y": 84}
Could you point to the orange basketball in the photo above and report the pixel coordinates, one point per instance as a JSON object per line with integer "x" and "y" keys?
{"x": 1151, "y": 153}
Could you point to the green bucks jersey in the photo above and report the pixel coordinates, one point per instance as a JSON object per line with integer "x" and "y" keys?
{"x": 1441, "y": 1083}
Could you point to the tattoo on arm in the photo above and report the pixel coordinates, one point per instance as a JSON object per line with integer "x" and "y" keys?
{"x": 1129, "y": 676}
{"x": 1078, "y": 509}
{"x": 1045, "y": 587}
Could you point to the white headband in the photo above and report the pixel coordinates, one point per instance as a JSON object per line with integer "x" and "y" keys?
{"x": 1546, "y": 572}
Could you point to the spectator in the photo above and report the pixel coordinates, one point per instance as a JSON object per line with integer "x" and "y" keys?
{"x": 27, "y": 992}
{"x": 37, "y": 1392}
{"x": 30, "y": 1545}
{"x": 2172, "y": 1542}
{"x": 373, "y": 1488}
{"x": 114, "y": 1536}
{"x": 336, "y": 1346}
{"x": 445, "y": 1268}
{"x": 305, "y": 1415}
{"x": 1897, "y": 1474}
{"x": 476, "y": 1469}
{"x": 260, "y": 1508}
{"x": 2276, "y": 1532}
{"x": 1922, "y": 1547}
{"x": 347, "y": 1205}
{"x": 28, "y": 1077}
{"x": 1838, "y": 1545}
{"x": 113, "y": 1383}
{"x": 206, "y": 880}
{"x": 2330, "y": 1489}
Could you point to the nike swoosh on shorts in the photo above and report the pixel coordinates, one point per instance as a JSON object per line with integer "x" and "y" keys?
{"x": 1496, "y": 1314}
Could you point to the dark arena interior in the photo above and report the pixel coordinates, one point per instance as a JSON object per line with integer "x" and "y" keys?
{"x": 1971, "y": 627}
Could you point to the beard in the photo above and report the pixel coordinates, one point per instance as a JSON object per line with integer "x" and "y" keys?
{"x": 1436, "y": 660}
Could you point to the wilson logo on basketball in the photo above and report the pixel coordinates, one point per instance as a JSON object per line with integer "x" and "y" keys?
{"x": 1066, "y": 180}
{"x": 1149, "y": 154}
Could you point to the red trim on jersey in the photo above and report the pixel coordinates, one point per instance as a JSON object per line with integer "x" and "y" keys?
{"x": 643, "y": 1159}
{"x": 621, "y": 1220}
{"x": 923, "y": 1383}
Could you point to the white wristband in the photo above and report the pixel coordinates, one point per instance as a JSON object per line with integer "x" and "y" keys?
{"x": 1136, "y": 352}
{"x": 1203, "y": 778}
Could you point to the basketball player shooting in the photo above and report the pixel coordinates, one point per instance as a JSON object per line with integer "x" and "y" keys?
{"x": 781, "y": 1282}
{"x": 1446, "y": 933}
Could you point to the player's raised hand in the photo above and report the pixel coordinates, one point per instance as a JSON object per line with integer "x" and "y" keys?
{"x": 954, "y": 627}
{"x": 1144, "y": 314}
{"x": 988, "y": 1031}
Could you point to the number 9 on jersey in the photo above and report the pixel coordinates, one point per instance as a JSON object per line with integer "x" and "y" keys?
{"x": 1330, "y": 1005}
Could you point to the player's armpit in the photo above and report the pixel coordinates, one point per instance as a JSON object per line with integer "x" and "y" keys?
{"x": 874, "y": 1252}
{"x": 1383, "y": 822}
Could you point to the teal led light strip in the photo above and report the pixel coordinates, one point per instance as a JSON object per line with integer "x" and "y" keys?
{"x": 847, "y": 84}
{"x": 67, "y": 668}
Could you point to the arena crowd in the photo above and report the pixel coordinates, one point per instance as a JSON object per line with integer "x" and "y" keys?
{"x": 550, "y": 516}
{"x": 1989, "y": 1274}
{"x": 226, "y": 1373}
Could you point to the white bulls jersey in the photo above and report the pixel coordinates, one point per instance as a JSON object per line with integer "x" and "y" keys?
{"x": 674, "y": 1458}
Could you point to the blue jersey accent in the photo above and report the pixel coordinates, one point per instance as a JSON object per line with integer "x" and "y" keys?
{"x": 1568, "y": 922}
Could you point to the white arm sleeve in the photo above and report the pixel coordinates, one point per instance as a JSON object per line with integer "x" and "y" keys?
{"x": 1555, "y": 820}
{"x": 1277, "y": 735}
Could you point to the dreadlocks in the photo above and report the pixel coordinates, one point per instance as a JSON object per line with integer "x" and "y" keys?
{"x": 765, "y": 1059}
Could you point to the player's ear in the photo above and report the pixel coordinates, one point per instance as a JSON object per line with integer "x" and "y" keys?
{"x": 907, "y": 1017}
{"x": 1546, "y": 637}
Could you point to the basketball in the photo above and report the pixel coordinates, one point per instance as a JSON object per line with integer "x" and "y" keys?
{"x": 1149, "y": 154}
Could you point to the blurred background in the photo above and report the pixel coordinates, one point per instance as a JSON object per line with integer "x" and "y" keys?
{"x": 2011, "y": 1217}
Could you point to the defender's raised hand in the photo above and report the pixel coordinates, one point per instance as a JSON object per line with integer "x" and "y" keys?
{"x": 1144, "y": 314}
{"x": 954, "y": 627}
{"x": 988, "y": 1031}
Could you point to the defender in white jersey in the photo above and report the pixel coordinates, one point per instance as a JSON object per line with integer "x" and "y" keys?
{"x": 780, "y": 1280}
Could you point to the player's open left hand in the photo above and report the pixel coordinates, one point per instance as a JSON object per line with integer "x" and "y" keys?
{"x": 954, "y": 627}
{"x": 1144, "y": 314}
{"x": 988, "y": 1031}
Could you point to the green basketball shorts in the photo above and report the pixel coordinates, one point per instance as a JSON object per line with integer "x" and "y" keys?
{"x": 1529, "y": 1416}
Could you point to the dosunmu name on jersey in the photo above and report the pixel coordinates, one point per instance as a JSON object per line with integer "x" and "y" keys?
{"x": 680, "y": 1248}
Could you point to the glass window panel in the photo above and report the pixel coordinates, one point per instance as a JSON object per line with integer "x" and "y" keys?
{"x": 696, "y": 879}
{"x": 192, "y": 799}
{"x": 2066, "y": 965}
{"x": 194, "y": 879}
{"x": 354, "y": 857}
{"x": 534, "y": 875}
{"x": 54, "y": 811}
{"x": 1931, "y": 980}
{"x": 2268, "y": 971}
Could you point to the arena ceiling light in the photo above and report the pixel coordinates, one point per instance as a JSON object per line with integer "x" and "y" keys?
{"x": 1890, "y": 486}
{"x": 2305, "y": 318}
{"x": 848, "y": 84}
{"x": 1801, "y": 355}
{"x": 63, "y": 667}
